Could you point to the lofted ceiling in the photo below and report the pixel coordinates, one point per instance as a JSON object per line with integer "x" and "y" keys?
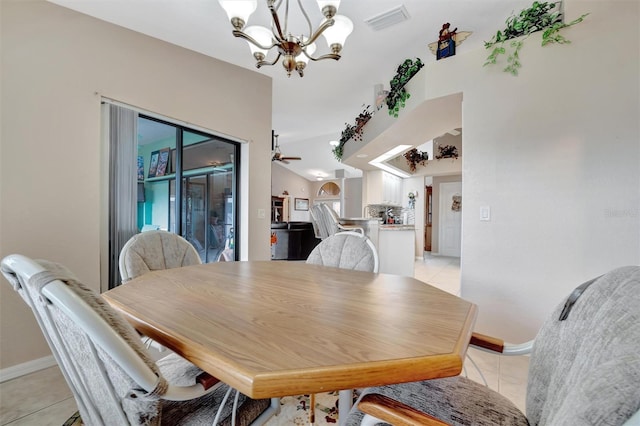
{"x": 308, "y": 112}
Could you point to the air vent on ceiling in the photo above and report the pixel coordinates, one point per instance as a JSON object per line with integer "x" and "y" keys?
{"x": 388, "y": 18}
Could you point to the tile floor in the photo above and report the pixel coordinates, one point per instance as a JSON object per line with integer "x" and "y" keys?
{"x": 43, "y": 399}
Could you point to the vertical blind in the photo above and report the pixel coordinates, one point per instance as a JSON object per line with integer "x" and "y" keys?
{"x": 122, "y": 184}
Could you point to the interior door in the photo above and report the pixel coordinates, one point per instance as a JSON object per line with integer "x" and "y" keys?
{"x": 450, "y": 241}
{"x": 428, "y": 217}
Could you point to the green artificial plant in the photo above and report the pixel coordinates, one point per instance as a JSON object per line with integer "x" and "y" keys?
{"x": 398, "y": 94}
{"x": 541, "y": 16}
{"x": 352, "y": 131}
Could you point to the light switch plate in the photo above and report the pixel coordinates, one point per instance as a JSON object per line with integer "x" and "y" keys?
{"x": 261, "y": 213}
{"x": 485, "y": 213}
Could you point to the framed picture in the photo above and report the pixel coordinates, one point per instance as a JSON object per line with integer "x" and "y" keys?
{"x": 163, "y": 161}
{"x": 140, "y": 167}
{"x": 301, "y": 204}
{"x": 153, "y": 164}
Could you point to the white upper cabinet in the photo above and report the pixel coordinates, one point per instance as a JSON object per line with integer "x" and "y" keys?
{"x": 383, "y": 188}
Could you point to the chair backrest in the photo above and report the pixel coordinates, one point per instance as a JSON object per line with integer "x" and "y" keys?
{"x": 99, "y": 353}
{"x": 317, "y": 217}
{"x": 331, "y": 217}
{"x": 348, "y": 250}
{"x": 332, "y": 221}
{"x": 155, "y": 250}
{"x": 316, "y": 226}
{"x": 586, "y": 368}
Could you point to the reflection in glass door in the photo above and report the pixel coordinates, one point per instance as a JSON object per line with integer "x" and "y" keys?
{"x": 208, "y": 215}
{"x": 203, "y": 210}
{"x": 193, "y": 212}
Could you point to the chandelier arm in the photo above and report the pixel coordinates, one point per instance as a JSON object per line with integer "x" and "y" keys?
{"x": 261, "y": 63}
{"x": 276, "y": 22}
{"x": 304, "y": 12}
{"x": 320, "y": 58}
{"x": 326, "y": 24}
{"x": 286, "y": 16}
{"x": 252, "y": 40}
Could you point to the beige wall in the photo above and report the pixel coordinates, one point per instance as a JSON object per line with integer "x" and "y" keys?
{"x": 283, "y": 179}
{"x": 56, "y": 65}
{"x": 555, "y": 153}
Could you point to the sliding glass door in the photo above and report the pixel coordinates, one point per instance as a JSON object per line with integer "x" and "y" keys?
{"x": 206, "y": 167}
{"x": 202, "y": 208}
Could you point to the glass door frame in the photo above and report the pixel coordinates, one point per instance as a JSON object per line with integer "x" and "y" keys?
{"x": 183, "y": 176}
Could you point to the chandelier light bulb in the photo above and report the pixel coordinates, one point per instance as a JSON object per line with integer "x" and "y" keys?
{"x": 263, "y": 36}
{"x": 310, "y": 49}
{"x": 302, "y": 60}
{"x": 239, "y": 11}
{"x": 328, "y": 7}
{"x": 337, "y": 34}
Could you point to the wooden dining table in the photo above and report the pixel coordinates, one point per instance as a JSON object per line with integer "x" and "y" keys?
{"x": 277, "y": 328}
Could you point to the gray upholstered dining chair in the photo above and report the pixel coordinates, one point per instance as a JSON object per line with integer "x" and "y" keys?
{"x": 153, "y": 251}
{"x": 112, "y": 377}
{"x": 584, "y": 370}
{"x": 319, "y": 224}
{"x": 334, "y": 221}
{"x": 348, "y": 250}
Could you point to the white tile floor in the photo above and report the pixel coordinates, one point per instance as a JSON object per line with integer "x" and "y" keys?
{"x": 43, "y": 398}
{"x": 506, "y": 375}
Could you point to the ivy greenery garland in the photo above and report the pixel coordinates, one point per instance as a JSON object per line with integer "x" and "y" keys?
{"x": 395, "y": 100}
{"x": 352, "y": 131}
{"x": 398, "y": 95}
{"x": 540, "y": 16}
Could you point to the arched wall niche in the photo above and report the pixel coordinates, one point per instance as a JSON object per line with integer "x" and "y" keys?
{"x": 329, "y": 188}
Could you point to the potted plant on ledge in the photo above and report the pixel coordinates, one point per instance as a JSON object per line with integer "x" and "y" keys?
{"x": 415, "y": 157}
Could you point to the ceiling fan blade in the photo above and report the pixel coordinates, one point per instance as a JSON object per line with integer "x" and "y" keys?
{"x": 277, "y": 155}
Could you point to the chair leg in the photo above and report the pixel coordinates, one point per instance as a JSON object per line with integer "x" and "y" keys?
{"x": 312, "y": 409}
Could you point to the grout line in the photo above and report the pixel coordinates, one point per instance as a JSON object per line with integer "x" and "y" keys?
{"x": 37, "y": 411}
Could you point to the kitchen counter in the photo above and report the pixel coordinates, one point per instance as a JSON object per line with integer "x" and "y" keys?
{"x": 369, "y": 225}
{"x": 391, "y": 227}
{"x": 395, "y": 243}
{"x": 396, "y": 249}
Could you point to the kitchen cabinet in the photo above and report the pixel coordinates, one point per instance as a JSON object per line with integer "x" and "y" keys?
{"x": 384, "y": 188}
{"x": 396, "y": 249}
{"x": 279, "y": 209}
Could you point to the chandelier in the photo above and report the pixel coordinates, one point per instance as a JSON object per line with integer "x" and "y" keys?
{"x": 295, "y": 50}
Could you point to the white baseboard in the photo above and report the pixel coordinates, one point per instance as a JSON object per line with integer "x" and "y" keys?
{"x": 26, "y": 368}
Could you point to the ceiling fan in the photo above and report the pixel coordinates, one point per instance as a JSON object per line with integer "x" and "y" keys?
{"x": 277, "y": 155}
